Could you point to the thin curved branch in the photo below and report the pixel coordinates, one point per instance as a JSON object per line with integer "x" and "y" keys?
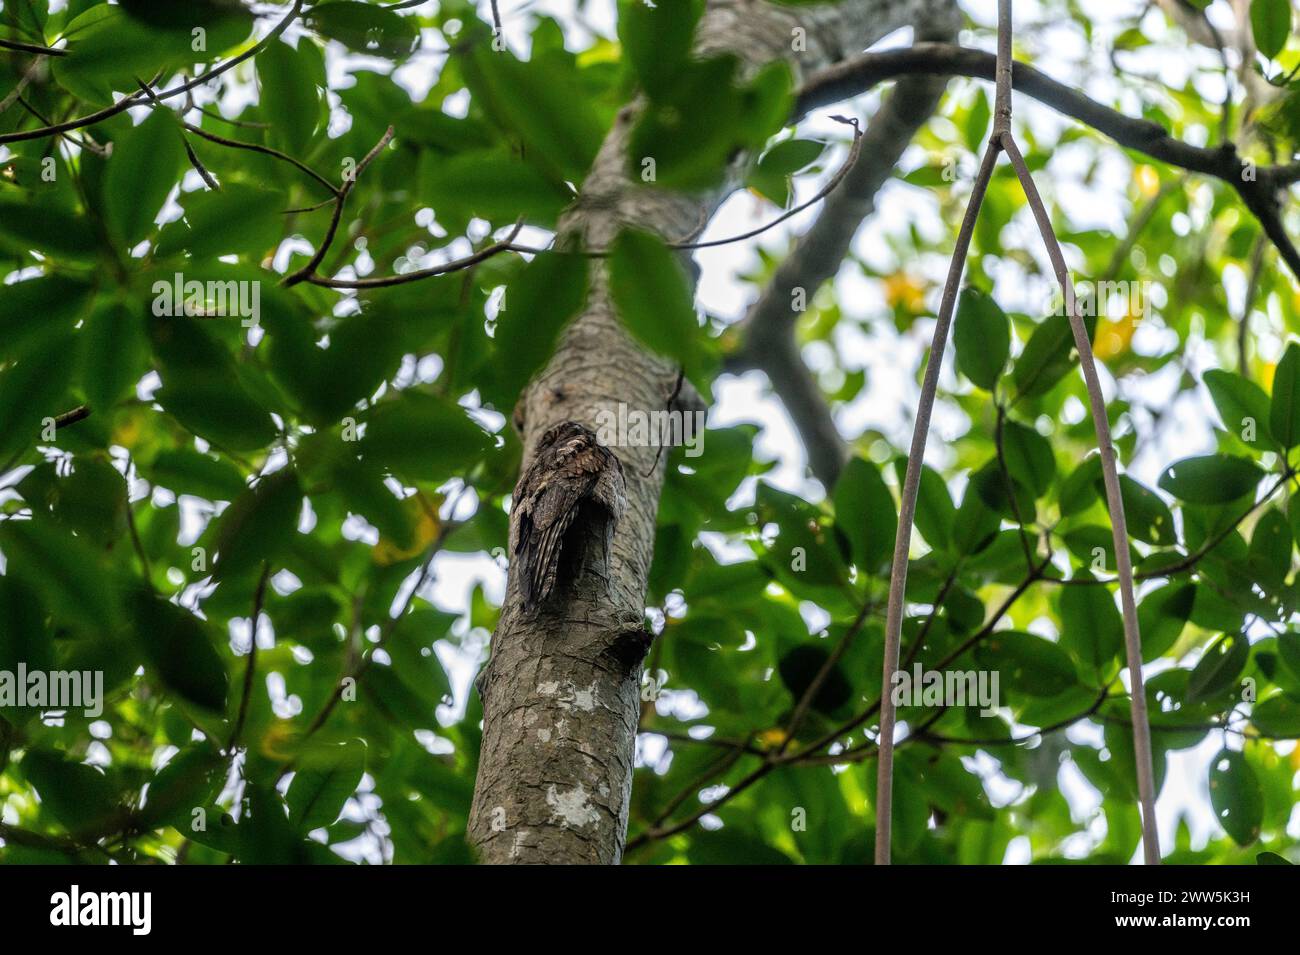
{"x": 1114, "y": 503}
{"x": 137, "y": 98}
{"x": 767, "y": 330}
{"x": 308, "y": 271}
{"x": 1257, "y": 186}
{"x": 384, "y": 281}
{"x": 17, "y": 46}
{"x": 907, "y": 505}
{"x": 265, "y": 151}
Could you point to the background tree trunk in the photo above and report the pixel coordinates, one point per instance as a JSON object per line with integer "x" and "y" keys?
{"x": 561, "y": 693}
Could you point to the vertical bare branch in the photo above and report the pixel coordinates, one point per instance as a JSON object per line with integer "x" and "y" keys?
{"x": 1114, "y": 503}
{"x": 1002, "y": 139}
{"x": 907, "y": 506}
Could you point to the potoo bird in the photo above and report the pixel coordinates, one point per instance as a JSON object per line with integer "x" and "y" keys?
{"x": 573, "y": 478}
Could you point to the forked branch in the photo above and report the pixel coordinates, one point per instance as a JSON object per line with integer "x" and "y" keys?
{"x": 1000, "y": 140}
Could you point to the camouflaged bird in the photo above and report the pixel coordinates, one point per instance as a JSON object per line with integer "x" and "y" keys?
{"x": 571, "y": 471}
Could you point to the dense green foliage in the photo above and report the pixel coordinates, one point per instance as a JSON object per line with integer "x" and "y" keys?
{"x": 300, "y": 466}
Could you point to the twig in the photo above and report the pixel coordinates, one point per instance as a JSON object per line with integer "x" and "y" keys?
{"x": 265, "y": 151}
{"x": 1002, "y": 139}
{"x": 822, "y": 193}
{"x": 139, "y": 546}
{"x": 250, "y": 665}
{"x": 907, "y": 505}
{"x": 134, "y": 99}
{"x": 17, "y": 46}
{"x": 1259, "y": 193}
{"x": 1114, "y": 503}
{"x": 384, "y": 281}
{"x": 208, "y": 179}
{"x": 349, "y": 182}
{"x": 356, "y": 669}
{"x": 812, "y": 689}
{"x": 79, "y": 413}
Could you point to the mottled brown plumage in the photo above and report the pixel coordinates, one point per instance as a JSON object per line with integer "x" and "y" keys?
{"x": 570, "y": 471}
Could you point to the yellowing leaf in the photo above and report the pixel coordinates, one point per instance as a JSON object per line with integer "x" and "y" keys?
{"x": 424, "y": 516}
{"x": 1147, "y": 181}
{"x": 904, "y": 290}
{"x": 1266, "y": 373}
{"x": 1114, "y": 336}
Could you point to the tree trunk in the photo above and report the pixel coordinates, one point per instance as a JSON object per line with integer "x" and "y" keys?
{"x": 561, "y": 692}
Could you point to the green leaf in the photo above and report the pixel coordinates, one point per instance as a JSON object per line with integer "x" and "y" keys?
{"x": 190, "y": 780}
{"x": 178, "y": 647}
{"x": 192, "y": 13}
{"x": 1211, "y": 478}
{"x": 1079, "y": 489}
{"x": 258, "y": 524}
{"x": 79, "y": 796}
{"x": 1123, "y": 761}
{"x": 935, "y": 512}
{"x": 290, "y": 100}
{"x": 1219, "y": 669}
{"x": 1270, "y": 21}
{"x": 30, "y": 389}
{"x": 1091, "y": 628}
{"x": 237, "y": 220}
{"x": 38, "y": 225}
{"x": 24, "y": 639}
{"x": 1271, "y": 544}
{"x": 1284, "y": 416}
{"x": 265, "y": 834}
{"x": 1162, "y": 615}
{"x": 110, "y": 46}
{"x": 804, "y": 554}
{"x": 366, "y": 493}
{"x": 977, "y": 121}
{"x": 90, "y": 501}
{"x": 491, "y": 184}
{"x": 326, "y": 779}
{"x": 865, "y": 514}
{"x": 982, "y": 336}
{"x": 43, "y": 554}
{"x": 1086, "y": 540}
{"x": 59, "y": 300}
{"x": 1271, "y": 858}
{"x": 364, "y": 351}
{"x": 113, "y": 353}
{"x": 1027, "y": 663}
{"x": 1029, "y": 457}
{"x": 657, "y": 40}
{"x": 543, "y": 103}
{"x": 653, "y": 296}
{"x": 1236, "y": 796}
{"x": 202, "y": 388}
{"x": 365, "y": 29}
{"x": 1045, "y": 359}
{"x": 144, "y": 167}
{"x": 800, "y": 667}
{"x": 1278, "y": 716}
{"x": 773, "y": 172}
{"x": 686, "y": 141}
{"x": 1148, "y": 517}
{"x": 1288, "y": 645}
{"x": 186, "y": 471}
{"x": 423, "y": 437}
{"x": 1243, "y": 406}
{"x": 539, "y": 302}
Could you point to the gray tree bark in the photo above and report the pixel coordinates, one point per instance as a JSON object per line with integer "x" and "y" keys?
{"x": 561, "y": 692}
